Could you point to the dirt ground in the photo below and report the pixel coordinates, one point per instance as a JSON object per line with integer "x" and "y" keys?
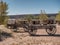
{"x": 23, "y": 38}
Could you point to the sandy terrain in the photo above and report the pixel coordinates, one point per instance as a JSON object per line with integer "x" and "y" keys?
{"x": 23, "y": 38}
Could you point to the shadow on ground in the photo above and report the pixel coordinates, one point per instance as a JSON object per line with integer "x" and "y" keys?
{"x": 56, "y": 35}
{"x": 4, "y": 35}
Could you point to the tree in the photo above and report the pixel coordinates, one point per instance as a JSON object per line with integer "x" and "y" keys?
{"x": 43, "y": 16}
{"x": 3, "y": 11}
{"x": 29, "y": 18}
{"x": 58, "y": 16}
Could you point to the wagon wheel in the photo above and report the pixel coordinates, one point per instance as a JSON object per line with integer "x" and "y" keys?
{"x": 51, "y": 31}
{"x": 26, "y": 28}
{"x": 32, "y": 32}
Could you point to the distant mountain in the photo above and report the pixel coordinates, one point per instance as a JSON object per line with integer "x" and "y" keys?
{"x": 22, "y": 16}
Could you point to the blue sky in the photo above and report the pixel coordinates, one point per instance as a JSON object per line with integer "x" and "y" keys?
{"x": 32, "y": 6}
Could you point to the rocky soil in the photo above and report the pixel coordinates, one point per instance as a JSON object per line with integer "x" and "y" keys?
{"x": 23, "y": 38}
